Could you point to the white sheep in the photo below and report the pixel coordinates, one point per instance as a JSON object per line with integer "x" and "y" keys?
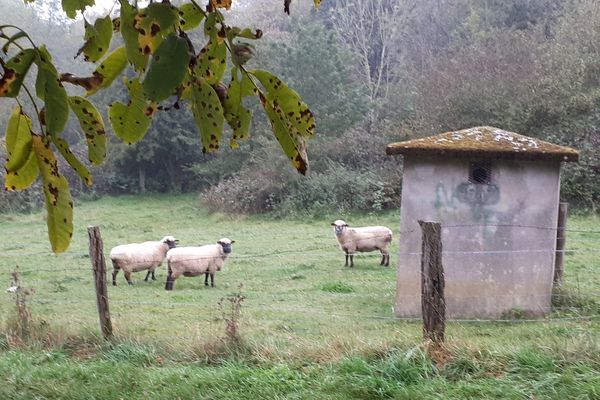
{"x": 194, "y": 261}
{"x": 135, "y": 257}
{"x": 368, "y": 238}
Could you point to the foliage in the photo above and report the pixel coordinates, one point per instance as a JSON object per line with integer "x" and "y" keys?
{"x": 168, "y": 67}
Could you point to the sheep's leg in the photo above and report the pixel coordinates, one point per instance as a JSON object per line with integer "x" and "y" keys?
{"x": 148, "y": 275}
{"x": 347, "y": 256}
{"x": 387, "y": 260}
{"x": 351, "y": 260}
{"x": 128, "y": 277}
{"x": 153, "y": 277}
{"x": 382, "y": 259}
{"x": 114, "y": 275}
{"x": 170, "y": 280}
{"x": 212, "y": 279}
{"x": 206, "y": 279}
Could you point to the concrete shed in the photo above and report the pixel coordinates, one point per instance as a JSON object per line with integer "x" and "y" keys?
{"x": 496, "y": 194}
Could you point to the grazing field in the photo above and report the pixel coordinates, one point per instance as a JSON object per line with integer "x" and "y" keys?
{"x": 309, "y": 327}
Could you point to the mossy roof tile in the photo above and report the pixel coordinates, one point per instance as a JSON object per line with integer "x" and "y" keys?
{"x": 484, "y": 142}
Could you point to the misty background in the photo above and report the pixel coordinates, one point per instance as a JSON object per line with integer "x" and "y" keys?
{"x": 372, "y": 72}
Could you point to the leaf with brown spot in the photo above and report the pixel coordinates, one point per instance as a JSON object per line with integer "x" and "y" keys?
{"x": 236, "y": 115}
{"x": 211, "y": 64}
{"x": 208, "y": 115}
{"x": 294, "y": 113}
{"x": 292, "y": 144}
{"x": 190, "y": 16}
{"x": 109, "y": 69}
{"x": 131, "y": 122}
{"x": 130, "y": 36}
{"x": 97, "y": 39}
{"x": 153, "y": 24}
{"x": 15, "y": 70}
{"x": 24, "y": 176}
{"x": 82, "y": 171}
{"x": 59, "y": 204}
{"x": 18, "y": 140}
{"x": 92, "y": 124}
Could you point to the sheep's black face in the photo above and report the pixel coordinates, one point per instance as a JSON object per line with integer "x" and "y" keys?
{"x": 226, "y": 247}
{"x": 171, "y": 244}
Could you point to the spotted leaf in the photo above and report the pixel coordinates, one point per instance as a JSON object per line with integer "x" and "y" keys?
{"x": 292, "y": 144}
{"x": 92, "y": 124}
{"x": 97, "y": 39}
{"x": 245, "y": 33}
{"x": 50, "y": 89}
{"x": 131, "y": 121}
{"x": 15, "y": 70}
{"x": 135, "y": 55}
{"x": 109, "y": 69}
{"x": 295, "y": 115}
{"x": 153, "y": 24}
{"x": 68, "y": 155}
{"x": 236, "y": 115}
{"x": 71, "y": 7}
{"x": 208, "y": 115}
{"x": 167, "y": 68}
{"x": 212, "y": 63}
{"x": 18, "y": 140}
{"x": 24, "y": 176}
{"x": 59, "y": 205}
{"x": 190, "y": 16}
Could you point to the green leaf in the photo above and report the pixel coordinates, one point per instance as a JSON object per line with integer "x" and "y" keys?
{"x": 294, "y": 114}
{"x": 212, "y": 63}
{"x": 72, "y": 6}
{"x": 208, "y": 115}
{"x": 111, "y": 67}
{"x": 136, "y": 57}
{"x": 15, "y": 70}
{"x": 24, "y": 176}
{"x": 245, "y": 33}
{"x": 93, "y": 128}
{"x": 167, "y": 68}
{"x": 68, "y": 155}
{"x": 97, "y": 39}
{"x": 131, "y": 121}
{"x": 50, "y": 89}
{"x": 190, "y": 16}
{"x": 12, "y": 39}
{"x": 59, "y": 205}
{"x": 153, "y": 24}
{"x": 236, "y": 115}
{"x": 18, "y": 140}
{"x": 292, "y": 144}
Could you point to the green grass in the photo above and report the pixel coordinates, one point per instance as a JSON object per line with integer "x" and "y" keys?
{"x": 310, "y": 327}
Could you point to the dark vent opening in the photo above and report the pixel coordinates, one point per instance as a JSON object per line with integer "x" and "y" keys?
{"x": 480, "y": 173}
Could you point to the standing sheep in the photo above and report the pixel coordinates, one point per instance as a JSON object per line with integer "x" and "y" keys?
{"x": 135, "y": 257}
{"x": 194, "y": 261}
{"x": 368, "y": 238}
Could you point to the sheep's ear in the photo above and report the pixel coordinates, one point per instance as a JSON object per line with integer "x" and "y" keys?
{"x": 333, "y": 224}
{"x": 233, "y": 241}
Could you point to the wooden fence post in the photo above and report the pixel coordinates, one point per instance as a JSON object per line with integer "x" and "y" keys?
{"x": 433, "y": 304}
{"x": 561, "y": 239}
{"x": 99, "y": 271}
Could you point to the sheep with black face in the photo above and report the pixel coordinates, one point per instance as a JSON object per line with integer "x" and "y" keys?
{"x": 198, "y": 260}
{"x": 364, "y": 239}
{"x": 135, "y": 257}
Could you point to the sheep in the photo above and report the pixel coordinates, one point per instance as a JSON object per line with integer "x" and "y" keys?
{"x": 135, "y": 257}
{"x": 194, "y": 261}
{"x": 368, "y": 238}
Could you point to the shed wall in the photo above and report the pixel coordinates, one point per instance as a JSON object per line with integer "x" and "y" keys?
{"x": 498, "y": 239}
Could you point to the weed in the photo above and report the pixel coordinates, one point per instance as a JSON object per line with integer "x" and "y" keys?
{"x": 232, "y": 315}
{"x": 22, "y": 323}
